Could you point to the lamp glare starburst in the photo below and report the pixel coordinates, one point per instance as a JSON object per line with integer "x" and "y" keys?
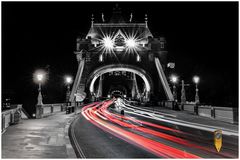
{"x": 108, "y": 42}
{"x": 131, "y": 43}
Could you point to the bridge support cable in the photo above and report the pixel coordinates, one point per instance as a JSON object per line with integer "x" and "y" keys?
{"x": 163, "y": 80}
{"x": 77, "y": 79}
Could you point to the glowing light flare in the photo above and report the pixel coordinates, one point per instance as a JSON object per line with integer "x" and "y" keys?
{"x": 196, "y": 79}
{"x": 108, "y": 43}
{"x": 131, "y": 43}
{"x": 174, "y": 79}
{"x": 68, "y": 79}
{"x": 39, "y": 76}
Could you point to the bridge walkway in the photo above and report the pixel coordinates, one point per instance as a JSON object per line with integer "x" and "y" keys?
{"x": 39, "y": 138}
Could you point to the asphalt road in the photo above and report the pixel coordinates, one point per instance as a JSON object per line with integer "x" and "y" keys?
{"x": 94, "y": 142}
{"x": 102, "y": 132}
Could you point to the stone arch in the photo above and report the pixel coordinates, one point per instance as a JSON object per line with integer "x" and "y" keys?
{"x": 120, "y": 67}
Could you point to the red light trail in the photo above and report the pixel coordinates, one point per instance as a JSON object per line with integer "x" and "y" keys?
{"x": 157, "y": 148}
{"x": 115, "y": 124}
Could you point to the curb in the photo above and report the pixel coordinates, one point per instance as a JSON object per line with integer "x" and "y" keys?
{"x": 78, "y": 150}
{"x": 70, "y": 151}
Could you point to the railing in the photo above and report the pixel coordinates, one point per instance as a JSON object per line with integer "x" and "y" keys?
{"x": 225, "y": 114}
{"x": 11, "y": 116}
{"x": 48, "y": 109}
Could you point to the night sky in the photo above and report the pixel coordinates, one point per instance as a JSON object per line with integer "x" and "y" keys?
{"x": 202, "y": 39}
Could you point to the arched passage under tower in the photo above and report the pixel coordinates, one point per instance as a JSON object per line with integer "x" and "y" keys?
{"x": 112, "y": 78}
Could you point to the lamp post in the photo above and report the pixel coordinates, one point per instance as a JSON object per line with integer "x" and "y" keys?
{"x": 40, "y": 77}
{"x": 174, "y": 80}
{"x": 68, "y": 81}
{"x": 183, "y": 95}
{"x": 196, "y": 80}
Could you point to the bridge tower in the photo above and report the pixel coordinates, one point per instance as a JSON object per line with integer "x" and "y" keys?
{"x": 121, "y": 56}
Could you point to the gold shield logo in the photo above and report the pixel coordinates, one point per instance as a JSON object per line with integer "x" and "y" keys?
{"x": 218, "y": 139}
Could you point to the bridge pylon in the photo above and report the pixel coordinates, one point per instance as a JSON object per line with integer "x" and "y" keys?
{"x": 123, "y": 55}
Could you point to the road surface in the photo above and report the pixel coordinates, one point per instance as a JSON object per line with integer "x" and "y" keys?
{"x": 103, "y": 131}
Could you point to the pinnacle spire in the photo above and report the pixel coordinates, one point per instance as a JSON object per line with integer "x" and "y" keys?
{"x": 146, "y": 20}
{"x": 131, "y": 15}
{"x": 103, "y": 17}
{"x": 92, "y": 19}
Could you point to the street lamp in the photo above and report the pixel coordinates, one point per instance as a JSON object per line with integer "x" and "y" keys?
{"x": 196, "y": 80}
{"x": 174, "y": 80}
{"x": 39, "y": 77}
{"x": 68, "y": 81}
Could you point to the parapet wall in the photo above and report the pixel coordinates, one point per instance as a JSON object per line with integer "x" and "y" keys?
{"x": 11, "y": 116}
{"x": 225, "y": 114}
{"x": 49, "y": 109}
{"x": 16, "y": 113}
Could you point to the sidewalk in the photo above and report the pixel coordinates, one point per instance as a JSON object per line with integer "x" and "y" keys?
{"x": 39, "y": 138}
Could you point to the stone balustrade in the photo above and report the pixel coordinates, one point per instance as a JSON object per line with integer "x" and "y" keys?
{"x": 11, "y": 116}
{"x": 225, "y": 114}
{"x": 49, "y": 109}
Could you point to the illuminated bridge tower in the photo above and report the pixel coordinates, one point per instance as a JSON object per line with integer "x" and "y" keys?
{"x": 121, "y": 58}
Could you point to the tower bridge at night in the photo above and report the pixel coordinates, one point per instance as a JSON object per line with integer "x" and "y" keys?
{"x": 123, "y": 103}
{"x": 124, "y": 55}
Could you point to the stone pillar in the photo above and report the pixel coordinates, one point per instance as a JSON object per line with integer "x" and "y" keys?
{"x": 3, "y": 122}
{"x": 39, "y": 111}
{"x": 68, "y": 94}
{"x": 197, "y": 96}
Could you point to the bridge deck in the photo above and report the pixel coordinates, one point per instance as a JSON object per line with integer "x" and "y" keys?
{"x": 39, "y": 138}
